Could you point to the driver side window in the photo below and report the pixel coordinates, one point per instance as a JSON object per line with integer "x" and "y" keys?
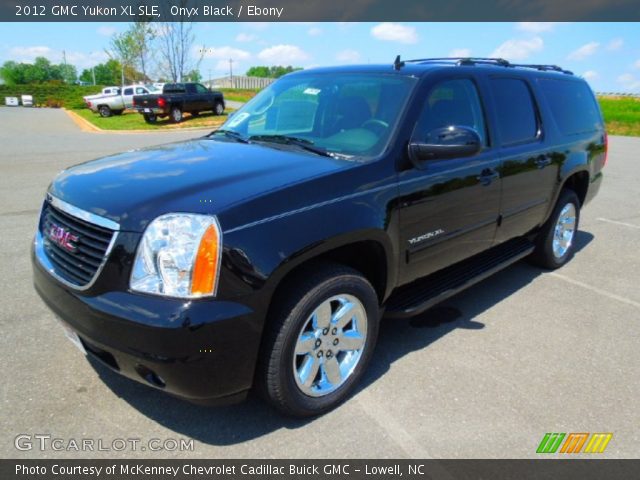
{"x": 452, "y": 102}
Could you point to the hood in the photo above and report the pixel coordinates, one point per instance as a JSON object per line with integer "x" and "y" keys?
{"x": 198, "y": 176}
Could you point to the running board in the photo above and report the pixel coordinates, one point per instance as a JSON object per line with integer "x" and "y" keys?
{"x": 422, "y": 294}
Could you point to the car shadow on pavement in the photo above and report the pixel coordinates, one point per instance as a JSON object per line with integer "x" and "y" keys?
{"x": 254, "y": 418}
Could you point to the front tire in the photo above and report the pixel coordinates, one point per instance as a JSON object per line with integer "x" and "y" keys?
{"x": 218, "y": 108}
{"x": 319, "y": 340}
{"x": 555, "y": 244}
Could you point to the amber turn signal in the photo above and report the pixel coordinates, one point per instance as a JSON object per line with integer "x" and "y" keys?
{"x": 206, "y": 264}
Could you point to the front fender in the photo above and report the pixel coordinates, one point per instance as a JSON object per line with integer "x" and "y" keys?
{"x": 259, "y": 255}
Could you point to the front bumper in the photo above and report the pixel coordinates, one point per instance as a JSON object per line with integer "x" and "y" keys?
{"x": 203, "y": 351}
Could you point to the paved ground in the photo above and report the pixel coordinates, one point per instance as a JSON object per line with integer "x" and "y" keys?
{"x": 484, "y": 375}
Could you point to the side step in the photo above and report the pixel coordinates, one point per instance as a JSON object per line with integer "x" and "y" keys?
{"x": 422, "y": 294}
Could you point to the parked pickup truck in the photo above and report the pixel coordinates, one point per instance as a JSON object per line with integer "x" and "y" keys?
{"x": 105, "y": 91}
{"x": 115, "y": 103}
{"x": 178, "y": 98}
{"x": 264, "y": 254}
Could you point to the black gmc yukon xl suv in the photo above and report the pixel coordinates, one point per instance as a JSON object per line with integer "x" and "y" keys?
{"x": 264, "y": 254}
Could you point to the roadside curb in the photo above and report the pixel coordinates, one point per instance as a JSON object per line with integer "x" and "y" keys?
{"x": 86, "y": 126}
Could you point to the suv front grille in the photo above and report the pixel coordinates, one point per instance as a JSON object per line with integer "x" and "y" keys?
{"x": 75, "y": 247}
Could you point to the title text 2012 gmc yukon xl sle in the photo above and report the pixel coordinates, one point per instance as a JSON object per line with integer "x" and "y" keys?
{"x": 264, "y": 254}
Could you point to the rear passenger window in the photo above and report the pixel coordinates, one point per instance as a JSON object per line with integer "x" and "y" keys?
{"x": 128, "y": 91}
{"x": 572, "y": 105}
{"x": 516, "y": 113}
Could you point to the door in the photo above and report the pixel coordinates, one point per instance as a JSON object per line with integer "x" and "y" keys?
{"x": 127, "y": 97}
{"x": 449, "y": 208}
{"x": 529, "y": 167}
{"x": 204, "y": 98}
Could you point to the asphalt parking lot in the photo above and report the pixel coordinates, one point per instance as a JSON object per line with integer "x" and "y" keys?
{"x": 484, "y": 375}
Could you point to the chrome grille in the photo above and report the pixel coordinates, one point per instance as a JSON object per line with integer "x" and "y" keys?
{"x": 91, "y": 245}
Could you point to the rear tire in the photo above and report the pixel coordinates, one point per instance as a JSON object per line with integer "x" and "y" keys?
{"x": 218, "y": 108}
{"x": 104, "y": 111}
{"x": 150, "y": 118}
{"x": 318, "y": 341}
{"x": 555, "y": 244}
{"x": 176, "y": 115}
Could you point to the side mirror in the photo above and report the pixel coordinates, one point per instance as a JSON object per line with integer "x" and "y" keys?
{"x": 446, "y": 142}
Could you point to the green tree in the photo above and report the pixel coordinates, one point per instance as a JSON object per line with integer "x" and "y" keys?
{"x": 11, "y": 73}
{"x": 194, "y": 76}
{"x": 275, "y": 71}
{"x": 143, "y": 35}
{"x": 107, "y": 73}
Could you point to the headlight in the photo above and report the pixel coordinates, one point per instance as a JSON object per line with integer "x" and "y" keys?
{"x": 178, "y": 256}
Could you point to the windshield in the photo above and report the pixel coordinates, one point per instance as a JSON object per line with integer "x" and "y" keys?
{"x": 344, "y": 114}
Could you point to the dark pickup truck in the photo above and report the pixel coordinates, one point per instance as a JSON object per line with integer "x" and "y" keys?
{"x": 177, "y": 99}
{"x": 264, "y": 254}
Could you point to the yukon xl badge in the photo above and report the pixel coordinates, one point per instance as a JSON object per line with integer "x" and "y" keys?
{"x": 426, "y": 236}
{"x": 62, "y": 237}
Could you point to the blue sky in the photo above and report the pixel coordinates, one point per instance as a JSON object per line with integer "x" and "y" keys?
{"x": 607, "y": 54}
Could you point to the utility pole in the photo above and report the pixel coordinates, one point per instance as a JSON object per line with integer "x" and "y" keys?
{"x": 231, "y": 72}
{"x": 122, "y": 74}
{"x": 209, "y": 79}
{"x": 93, "y": 72}
{"x": 64, "y": 58}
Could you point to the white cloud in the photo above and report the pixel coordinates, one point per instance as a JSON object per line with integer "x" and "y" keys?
{"x": 518, "y": 49}
{"x": 245, "y": 37}
{"x": 106, "y": 30}
{"x": 348, "y": 56}
{"x": 629, "y": 82}
{"x": 615, "y": 44}
{"x": 225, "y": 53}
{"x": 395, "y": 32}
{"x": 584, "y": 51}
{"x": 314, "y": 31}
{"x": 637, "y": 65}
{"x": 535, "y": 27}
{"x": 590, "y": 75}
{"x": 460, "y": 52}
{"x": 81, "y": 60}
{"x": 283, "y": 55}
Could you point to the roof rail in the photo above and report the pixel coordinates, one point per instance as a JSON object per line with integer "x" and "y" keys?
{"x": 500, "y": 62}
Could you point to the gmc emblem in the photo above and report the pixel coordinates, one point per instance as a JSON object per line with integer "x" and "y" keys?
{"x": 62, "y": 237}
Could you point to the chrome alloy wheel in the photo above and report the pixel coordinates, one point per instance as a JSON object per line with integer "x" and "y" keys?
{"x": 564, "y": 230}
{"x": 330, "y": 345}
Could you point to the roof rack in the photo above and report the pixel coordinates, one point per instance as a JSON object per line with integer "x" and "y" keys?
{"x": 500, "y": 62}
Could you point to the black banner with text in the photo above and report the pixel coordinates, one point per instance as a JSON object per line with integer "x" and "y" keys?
{"x": 318, "y": 11}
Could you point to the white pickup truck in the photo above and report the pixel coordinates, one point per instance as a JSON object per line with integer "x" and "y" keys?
{"x": 114, "y": 102}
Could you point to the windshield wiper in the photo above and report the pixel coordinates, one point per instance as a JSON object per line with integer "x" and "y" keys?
{"x": 287, "y": 140}
{"x": 230, "y": 134}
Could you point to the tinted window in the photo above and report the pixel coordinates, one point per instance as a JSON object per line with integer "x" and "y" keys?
{"x": 572, "y": 105}
{"x": 140, "y": 91}
{"x": 515, "y": 110}
{"x": 454, "y": 102}
{"x": 128, "y": 91}
{"x": 347, "y": 114}
{"x": 201, "y": 89}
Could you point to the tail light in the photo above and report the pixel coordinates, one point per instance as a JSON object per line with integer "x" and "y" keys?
{"x": 133, "y": 102}
{"x": 88, "y": 104}
{"x": 606, "y": 148}
{"x": 162, "y": 102}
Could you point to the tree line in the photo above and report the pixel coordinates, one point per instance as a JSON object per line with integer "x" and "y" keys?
{"x": 144, "y": 51}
